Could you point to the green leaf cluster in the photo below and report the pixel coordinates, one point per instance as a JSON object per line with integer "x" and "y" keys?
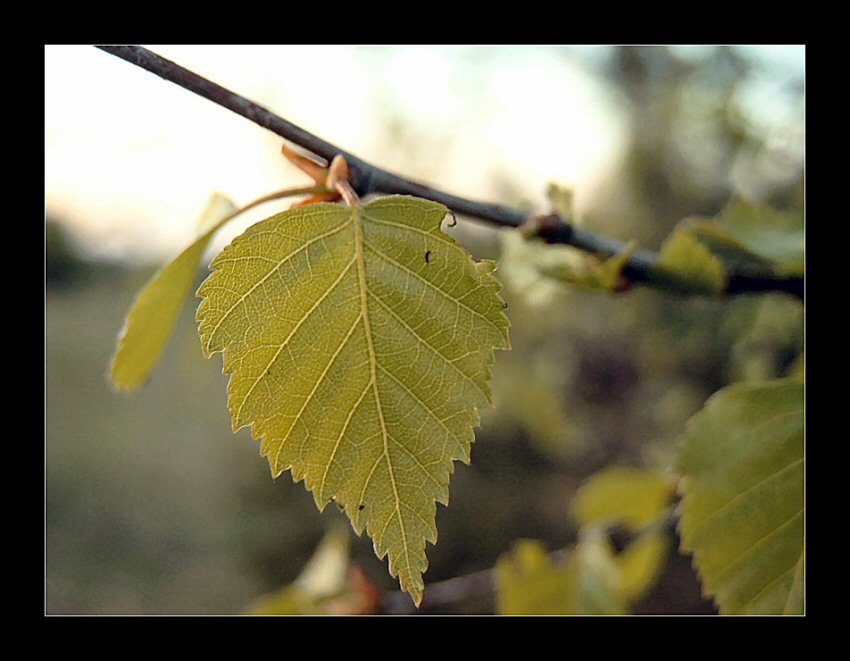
{"x": 746, "y": 232}
{"x": 694, "y": 260}
{"x": 696, "y": 257}
{"x": 591, "y": 578}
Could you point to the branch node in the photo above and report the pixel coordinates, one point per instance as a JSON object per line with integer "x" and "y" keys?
{"x": 550, "y": 228}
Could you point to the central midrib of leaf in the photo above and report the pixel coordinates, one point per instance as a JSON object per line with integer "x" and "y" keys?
{"x": 359, "y": 244}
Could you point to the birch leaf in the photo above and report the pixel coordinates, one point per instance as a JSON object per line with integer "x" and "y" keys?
{"x": 687, "y": 266}
{"x": 748, "y": 232}
{"x": 742, "y": 511}
{"x": 591, "y": 271}
{"x": 359, "y": 341}
{"x": 637, "y": 499}
{"x": 150, "y": 321}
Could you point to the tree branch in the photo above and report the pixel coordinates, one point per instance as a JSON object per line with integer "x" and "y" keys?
{"x": 367, "y": 178}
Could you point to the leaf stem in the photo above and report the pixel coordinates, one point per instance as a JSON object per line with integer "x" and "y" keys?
{"x": 367, "y": 178}
{"x": 277, "y": 195}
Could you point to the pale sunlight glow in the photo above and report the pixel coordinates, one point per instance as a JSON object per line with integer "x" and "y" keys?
{"x": 131, "y": 159}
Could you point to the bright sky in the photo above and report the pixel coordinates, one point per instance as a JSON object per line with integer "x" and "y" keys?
{"x": 131, "y": 159}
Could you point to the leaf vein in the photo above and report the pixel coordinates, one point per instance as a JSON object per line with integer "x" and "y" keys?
{"x": 419, "y": 337}
{"x": 769, "y": 585}
{"x": 339, "y": 438}
{"x": 430, "y": 284}
{"x": 743, "y": 493}
{"x": 373, "y": 363}
{"x": 421, "y": 403}
{"x": 316, "y": 386}
{"x": 738, "y": 561}
{"x": 290, "y": 336}
{"x": 280, "y": 263}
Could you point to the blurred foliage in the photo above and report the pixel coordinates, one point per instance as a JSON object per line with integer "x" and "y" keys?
{"x": 623, "y": 495}
{"x": 745, "y": 232}
{"x": 688, "y": 267}
{"x": 328, "y": 585}
{"x": 154, "y": 506}
{"x": 601, "y": 574}
{"x": 587, "y": 582}
{"x": 698, "y": 136}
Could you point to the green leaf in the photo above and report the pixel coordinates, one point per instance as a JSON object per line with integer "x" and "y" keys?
{"x": 639, "y": 500}
{"x": 590, "y": 271}
{"x": 150, "y": 321}
{"x": 641, "y": 563}
{"x": 587, "y": 582}
{"x": 620, "y": 494}
{"x": 747, "y": 232}
{"x": 742, "y": 512}
{"x": 794, "y": 605}
{"x": 685, "y": 265}
{"x": 359, "y": 342}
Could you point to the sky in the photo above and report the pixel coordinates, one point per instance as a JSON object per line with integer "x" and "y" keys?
{"x": 131, "y": 159}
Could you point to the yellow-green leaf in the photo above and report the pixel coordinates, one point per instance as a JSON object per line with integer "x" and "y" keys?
{"x": 639, "y": 500}
{"x": 795, "y": 603}
{"x": 359, "y": 342}
{"x": 746, "y": 231}
{"x": 586, "y": 582}
{"x": 686, "y": 266}
{"x": 619, "y": 494}
{"x": 742, "y": 512}
{"x": 641, "y": 562}
{"x": 590, "y": 271}
{"x": 150, "y": 321}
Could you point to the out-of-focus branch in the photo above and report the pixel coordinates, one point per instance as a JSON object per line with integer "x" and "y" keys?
{"x": 367, "y": 178}
{"x": 451, "y": 591}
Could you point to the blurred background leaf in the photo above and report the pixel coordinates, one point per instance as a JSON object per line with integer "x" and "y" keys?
{"x": 688, "y": 267}
{"x": 742, "y": 511}
{"x": 586, "y": 582}
{"x": 623, "y": 495}
{"x": 329, "y": 584}
{"x": 747, "y": 232}
{"x": 151, "y": 318}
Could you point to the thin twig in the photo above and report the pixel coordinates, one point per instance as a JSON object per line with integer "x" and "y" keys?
{"x": 367, "y": 178}
{"x": 450, "y": 591}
